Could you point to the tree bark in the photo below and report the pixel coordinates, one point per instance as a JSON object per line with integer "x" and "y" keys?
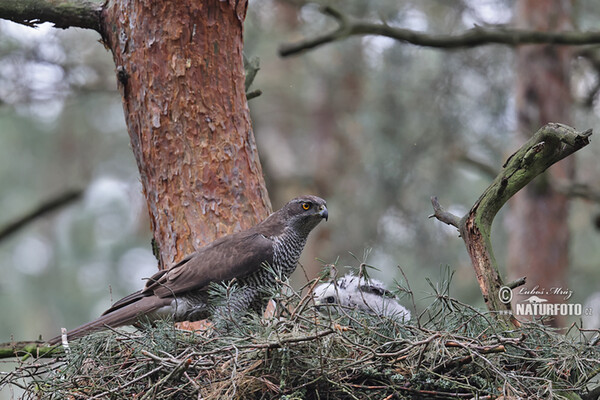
{"x": 180, "y": 72}
{"x": 538, "y": 244}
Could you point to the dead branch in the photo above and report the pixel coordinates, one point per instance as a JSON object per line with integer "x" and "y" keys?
{"x": 62, "y": 13}
{"x": 458, "y": 351}
{"x": 577, "y": 189}
{"x": 442, "y": 215}
{"x": 32, "y": 348}
{"x": 479, "y": 165}
{"x": 550, "y": 144}
{"x": 45, "y": 208}
{"x": 477, "y": 36}
{"x": 517, "y": 282}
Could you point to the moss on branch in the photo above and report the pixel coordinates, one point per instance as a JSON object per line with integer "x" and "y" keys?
{"x": 62, "y": 13}
{"x": 547, "y": 146}
{"x": 25, "y": 349}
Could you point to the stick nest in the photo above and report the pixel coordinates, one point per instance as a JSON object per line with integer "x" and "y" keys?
{"x": 449, "y": 350}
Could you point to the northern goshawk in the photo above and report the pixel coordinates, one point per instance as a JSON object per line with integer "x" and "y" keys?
{"x": 181, "y": 291}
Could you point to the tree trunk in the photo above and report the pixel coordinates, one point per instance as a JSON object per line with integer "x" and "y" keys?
{"x": 180, "y": 71}
{"x": 538, "y": 218}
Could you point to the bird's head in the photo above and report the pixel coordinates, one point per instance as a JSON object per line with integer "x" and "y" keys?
{"x": 326, "y": 293}
{"x": 336, "y": 292}
{"x": 305, "y": 212}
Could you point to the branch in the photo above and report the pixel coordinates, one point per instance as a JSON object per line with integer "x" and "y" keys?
{"x": 25, "y": 349}
{"x": 251, "y": 67}
{"x": 577, "y": 189}
{"x": 43, "y": 209}
{"x": 483, "y": 167}
{"x": 549, "y": 145}
{"x": 517, "y": 282}
{"x": 594, "y": 60}
{"x": 442, "y": 215}
{"x": 62, "y": 13}
{"x": 471, "y": 38}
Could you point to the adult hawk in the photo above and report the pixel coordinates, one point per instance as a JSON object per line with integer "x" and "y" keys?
{"x": 353, "y": 292}
{"x": 182, "y": 291}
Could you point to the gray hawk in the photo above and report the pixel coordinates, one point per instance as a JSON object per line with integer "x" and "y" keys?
{"x": 181, "y": 292}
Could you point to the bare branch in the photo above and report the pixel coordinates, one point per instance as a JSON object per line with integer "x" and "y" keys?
{"x": 442, "y": 215}
{"x": 33, "y": 348}
{"x": 481, "y": 166}
{"x": 550, "y": 144}
{"x": 577, "y": 189}
{"x": 472, "y": 38}
{"x": 253, "y": 94}
{"x": 43, "y": 209}
{"x": 62, "y": 13}
{"x": 517, "y": 282}
{"x": 590, "y": 54}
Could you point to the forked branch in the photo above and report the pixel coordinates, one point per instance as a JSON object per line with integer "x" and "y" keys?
{"x": 550, "y": 144}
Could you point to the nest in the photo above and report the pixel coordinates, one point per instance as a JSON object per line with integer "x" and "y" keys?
{"x": 449, "y": 350}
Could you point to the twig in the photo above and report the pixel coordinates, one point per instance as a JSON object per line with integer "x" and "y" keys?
{"x": 410, "y": 293}
{"x": 253, "y": 94}
{"x": 442, "y": 215}
{"x": 121, "y": 387}
{"x": 278, "y": 344}
{"x": 477, "y": 36}
{"x": 251, "y": 66}
{"x": 45, "y": 208}
{"x": 497, "y": 348}
{"x": 175, "y": 372}
{"x": 36, "y": 348}
{"x": 577, "y": 189}
{"x": 488, "y": 170}
{"x": 517, "y": 282}
{"x": 305, "y": 299}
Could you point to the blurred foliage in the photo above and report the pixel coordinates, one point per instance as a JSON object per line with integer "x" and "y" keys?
{"x": 374, "y": 126}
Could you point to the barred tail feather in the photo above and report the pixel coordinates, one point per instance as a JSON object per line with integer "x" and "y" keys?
{"x": 125, "y": 315}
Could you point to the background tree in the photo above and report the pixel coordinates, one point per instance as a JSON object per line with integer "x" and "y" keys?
{"x": 538, "y": 245}
{"x": 180, "y": 71}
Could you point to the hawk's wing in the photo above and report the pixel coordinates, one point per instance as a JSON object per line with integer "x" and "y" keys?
{"x": 233, "y": 256}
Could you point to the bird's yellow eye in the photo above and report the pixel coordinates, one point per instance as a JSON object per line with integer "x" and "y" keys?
{"x": 305, "y": 206}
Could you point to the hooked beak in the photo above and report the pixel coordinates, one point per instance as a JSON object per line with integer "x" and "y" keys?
{"x": 323, "y": 212}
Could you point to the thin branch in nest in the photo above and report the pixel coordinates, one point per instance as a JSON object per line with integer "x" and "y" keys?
{"x": 334, "y": 356}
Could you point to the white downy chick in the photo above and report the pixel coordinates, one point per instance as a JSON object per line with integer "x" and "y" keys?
{"x": 366, "y": 295}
